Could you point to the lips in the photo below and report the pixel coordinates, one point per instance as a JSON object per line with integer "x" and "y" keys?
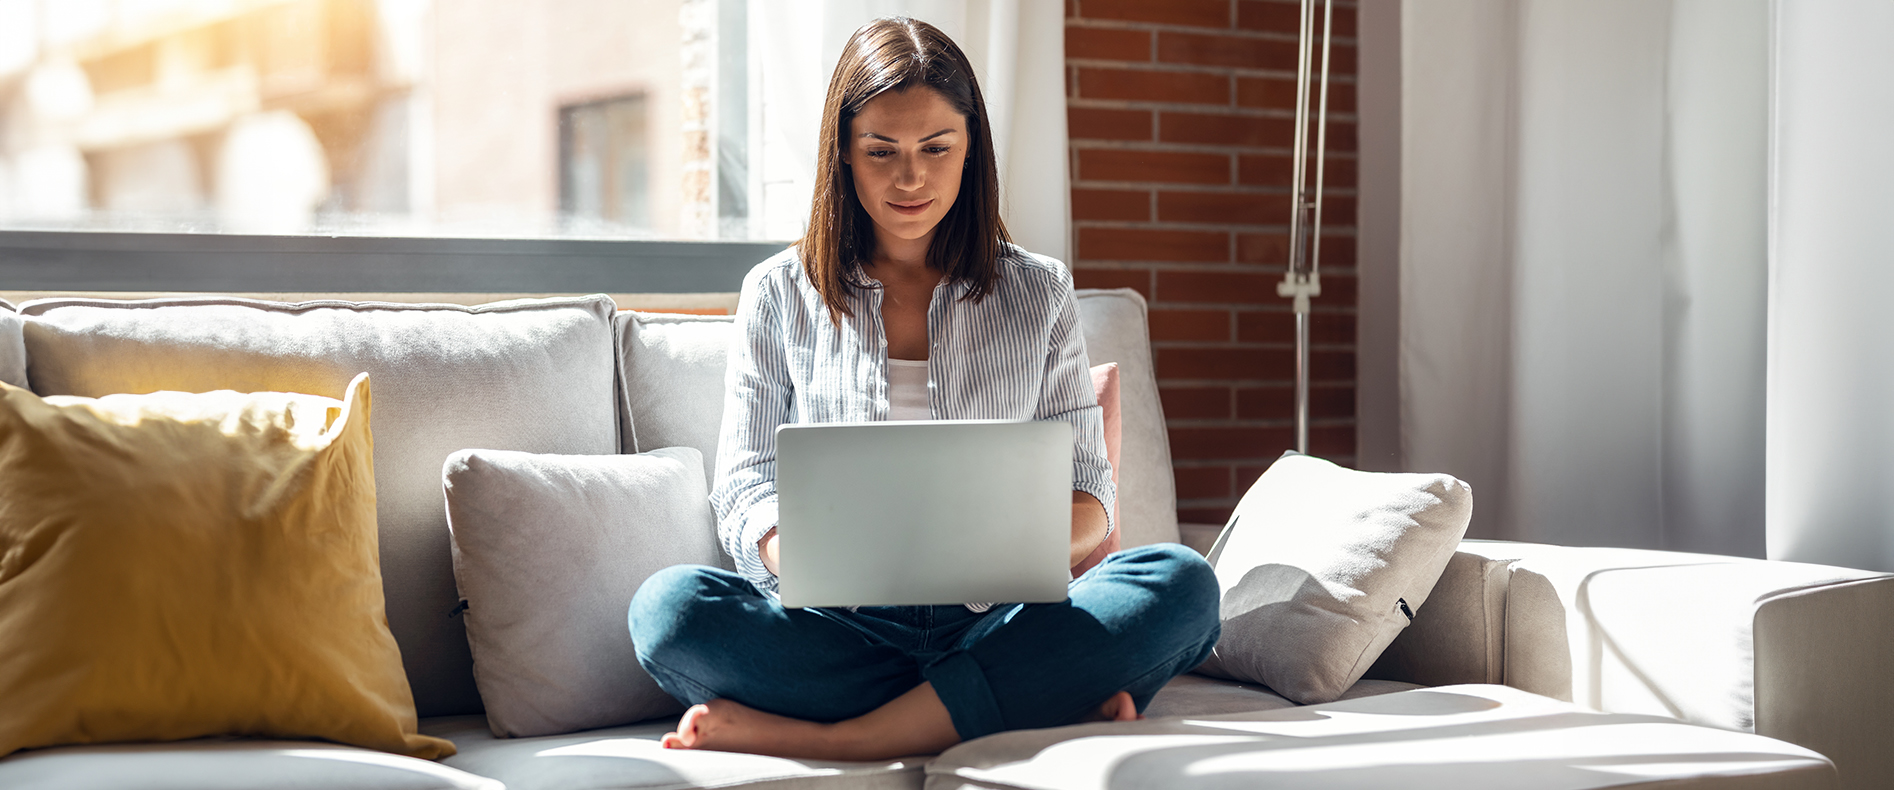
{"x": 912, "y": 207}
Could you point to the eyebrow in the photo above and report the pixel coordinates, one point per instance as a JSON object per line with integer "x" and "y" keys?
{"x": 924, "y": 139}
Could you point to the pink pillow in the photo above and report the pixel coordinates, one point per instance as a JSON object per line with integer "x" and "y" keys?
{"x": 1105, "y": 385}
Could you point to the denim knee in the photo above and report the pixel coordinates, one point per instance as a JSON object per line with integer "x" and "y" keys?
{"x": 1178, "y": 576}
{"x": 660, "y": 609}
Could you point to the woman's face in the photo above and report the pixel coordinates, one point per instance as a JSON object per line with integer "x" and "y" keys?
{"x": 906, "y": 151}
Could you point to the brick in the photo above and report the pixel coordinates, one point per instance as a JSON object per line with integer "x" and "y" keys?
{"x": 1205, "y": 515}
{"x": 1274, "y": 170}
{"x": 1244, "y": 442}
{"x": 1140, "y": 244}
{"x": 1338, "y": 211}
{"x": 1243, "y": 52}
{"x": 1090, "y": 123}
{"x": 1093, "y": 43}
{"x": 1111, "y": 204}
{"x": 1199, "y": 13}
{"x": 1338, "y": 290}
{"x": 1331, "y": 366}
{"x": 1265, "y": 248}
{"x": 1279, "y": 326}
{"x": 1225, "y": 364}
{"x": 1170, "y": 167}
{"x": 1246, "y": 475}
{"x": 1202, "y": 482}
{"x": 1279, "y": 403}
{"x": 1217, "y": 287}
{"x": 1182, "y": 87}
{"x": 1272, "y": 248}
{"x": 1279, "y": 93}
{"x": 1236, "y": 208}
{"x": 1195, "y": 403}
{"x": 1092, "y": 277}
{"x": 1337, "y": 250}
{"x": 1335, "y": 442}
{"x": 1190, "y": 325}
{"x": 1252, "y": 364}
{"x": 1275, "y": 16}
{"x": 1214, "y": 129}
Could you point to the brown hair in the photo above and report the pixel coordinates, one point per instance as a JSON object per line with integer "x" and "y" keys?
{"x": 897, "y": 54}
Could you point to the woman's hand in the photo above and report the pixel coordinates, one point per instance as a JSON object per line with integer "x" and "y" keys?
{"x": 1088, "y": 526}
{"x": 768, "y": 546}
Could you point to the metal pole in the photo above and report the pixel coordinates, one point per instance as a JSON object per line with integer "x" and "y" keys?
{"x": 1303, "y": 278}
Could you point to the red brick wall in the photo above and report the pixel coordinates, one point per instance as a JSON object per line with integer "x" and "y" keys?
{"x": 1181, "y": 119}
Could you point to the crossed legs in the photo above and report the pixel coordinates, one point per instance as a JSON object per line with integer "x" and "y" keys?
{"x": 813, "y": 684}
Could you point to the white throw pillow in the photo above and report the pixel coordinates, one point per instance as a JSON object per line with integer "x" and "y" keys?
{"x": 548, "y": 550}
{"x": 1322, "y": 566}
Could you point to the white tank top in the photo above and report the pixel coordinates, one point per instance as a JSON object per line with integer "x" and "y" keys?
{"x": 907, "y": 390}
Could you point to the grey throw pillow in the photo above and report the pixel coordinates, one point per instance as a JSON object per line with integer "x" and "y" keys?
{"x": 548, "y": 550}
{"x": 1322, "y": 566}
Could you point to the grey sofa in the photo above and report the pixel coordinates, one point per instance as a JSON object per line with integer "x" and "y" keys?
{"x": 1530, "y": 665}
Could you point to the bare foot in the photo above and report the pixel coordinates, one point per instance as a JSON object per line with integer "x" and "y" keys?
{"x": 726, "y": 726}
{"x": 1119, "y": 708}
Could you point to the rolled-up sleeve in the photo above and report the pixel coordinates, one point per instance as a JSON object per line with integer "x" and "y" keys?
{"x": 1068, "y": 395}
{"x": 758, "y": 397}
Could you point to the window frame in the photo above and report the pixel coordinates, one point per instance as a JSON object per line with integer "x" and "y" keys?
{"x": 228, "y": 263}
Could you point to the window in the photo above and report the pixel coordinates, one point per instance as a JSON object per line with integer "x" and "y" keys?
{"x": 604, "y": 175}
{"x": 473, "y": 140}
{"x": 563, "y": 118}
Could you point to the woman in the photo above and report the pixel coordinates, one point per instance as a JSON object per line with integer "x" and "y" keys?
{"x": 905, "y": 300}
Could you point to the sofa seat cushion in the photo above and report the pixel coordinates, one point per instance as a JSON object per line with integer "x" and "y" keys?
{"x": 533, "y": 375}
{"x": 1462, "y": 737}
{"x": 629, "y": 758}
{"x": 1197, "y": 695}
{"x": 229, "y": 764}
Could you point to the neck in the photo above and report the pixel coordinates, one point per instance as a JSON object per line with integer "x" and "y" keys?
{"x": 898, "y": 256}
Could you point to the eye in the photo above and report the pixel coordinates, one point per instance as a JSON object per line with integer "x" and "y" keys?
{"x": 880, "y": 154}
{"x": 939, "y": 149}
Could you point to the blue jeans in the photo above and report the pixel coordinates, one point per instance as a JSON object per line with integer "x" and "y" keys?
{"x": 1138, "y": 619}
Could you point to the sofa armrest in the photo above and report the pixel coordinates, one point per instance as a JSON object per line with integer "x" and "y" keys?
{"x": 1789, "y": 650}
{"x": 1458, "y": 635}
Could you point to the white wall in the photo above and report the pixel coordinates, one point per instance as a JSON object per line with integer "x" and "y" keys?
{"x": 1831, "y": 346}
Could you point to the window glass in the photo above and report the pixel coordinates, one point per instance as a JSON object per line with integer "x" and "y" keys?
{"x": 587, "y": 118}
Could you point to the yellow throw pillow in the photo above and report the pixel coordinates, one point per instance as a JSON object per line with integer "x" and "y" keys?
{"x": 178, "y": 565}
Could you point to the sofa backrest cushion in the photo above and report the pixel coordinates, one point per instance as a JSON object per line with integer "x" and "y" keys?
{"x": 673, "y": 381}
{"x": 532, "y": 375}
{"x": 1117, "y": 330}
{"x": 12, "y": 346}
{"x": 674, "y": 368}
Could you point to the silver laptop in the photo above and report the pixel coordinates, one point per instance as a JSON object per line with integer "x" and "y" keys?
{"x": 912, "y": 513}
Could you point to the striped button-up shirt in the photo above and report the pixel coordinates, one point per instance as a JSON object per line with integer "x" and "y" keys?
{"x": 1016, "y": 354}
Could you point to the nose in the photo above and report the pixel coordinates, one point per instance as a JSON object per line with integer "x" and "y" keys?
{"x": 910, "y": 174}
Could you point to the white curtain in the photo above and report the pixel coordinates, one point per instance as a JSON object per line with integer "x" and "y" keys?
{"x": 1583, "y": 265}
{"x": 1018, "y": 54}
{"x": 1831, "y": 338}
